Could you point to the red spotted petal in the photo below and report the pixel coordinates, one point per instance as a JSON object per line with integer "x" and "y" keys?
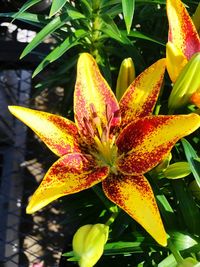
{"x": 94, "y": 102}
{"x": 134, "y": 195}
{"x": 182, "y": 32}
{"x": 146, "y": 141}
{"x": 141, "y": 96}
{"x": 70, "y": 174}
{"x": 59, "y": 134}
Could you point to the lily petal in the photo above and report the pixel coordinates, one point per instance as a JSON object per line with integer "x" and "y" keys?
{"x": 134, "y": 195}
{"x": 93, "y": 98}
{"x": 140, "y": 98}
{"x": 182, "y": 32}
{"x": 146, "y": 141}
{"x": 70, "y": 174}
{"x": 59, "y": 134}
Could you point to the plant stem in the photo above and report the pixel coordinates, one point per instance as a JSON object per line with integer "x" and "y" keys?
{"x": 111, "y": 219}
{"x": 175, "y": 252}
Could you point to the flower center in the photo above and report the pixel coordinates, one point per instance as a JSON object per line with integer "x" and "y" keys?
{"x": 103, "y": 148}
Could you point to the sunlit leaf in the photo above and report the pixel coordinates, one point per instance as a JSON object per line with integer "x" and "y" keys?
{"x": 48, "y": 29}
{"x": 56, "y": 6}
{"x": 69, "y": 42}
{"x": 128, "y": 7}
{"x": 26, "y": 6}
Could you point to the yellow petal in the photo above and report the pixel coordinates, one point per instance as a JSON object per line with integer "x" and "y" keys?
{"x": 95, "y": 105}
{"x": 175, "y": 60}
{"x": 58, "y": 133}
{"x": 141, "y": 96}
{"x": 134, "y": 195}
{"x": 145, "y": 142}
{"x": 70, "y": 174}
{"x": 182, "y": 32}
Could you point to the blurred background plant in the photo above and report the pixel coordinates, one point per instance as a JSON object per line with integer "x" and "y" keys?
{"x": 111, "y": 31}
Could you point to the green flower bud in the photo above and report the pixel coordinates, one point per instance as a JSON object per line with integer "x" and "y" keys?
{"x": 187, "y": 83}
{"x": 163, "y": 164}
{"x": 177, "y": 170}
{"x": 88, "y": 243}
{"x": 125, "y": 77}
{"x": 188, "y": 262}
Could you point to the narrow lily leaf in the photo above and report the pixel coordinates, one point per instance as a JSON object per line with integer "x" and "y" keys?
{"x": 191, "y": 155}
{"x": 134, "y": 195}
{"x": 141, "y": 96}
{"x": 48, "y": 29}
{"x": 140, "y": 35}
{"x": 187, "y": 206}
{"x": 182, "y": 32}
{"x": 26, "y": 6}
{"x": 109, "y": 22}
{"x": 58, "y": 133}
{"x": 28, "y": 17}
{"x": 128, "y": 7}
{"x": 56, "y": 6}
{"x": 70, "y": 174}
{"x": 69, "y": 42}
{"x": 93, "y": 99}
{"x": 146, "y": 141}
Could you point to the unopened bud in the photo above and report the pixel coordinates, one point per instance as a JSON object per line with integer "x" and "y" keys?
{"x": 163, "y": 164}
{"x": 125, "y": 77}
{"x": 187, "y": 84}
{"x": 175, "y": 60}
{"x": 88, "y": 243}
{"x": 177, "y": 170}
{"x": 188, "y": 262}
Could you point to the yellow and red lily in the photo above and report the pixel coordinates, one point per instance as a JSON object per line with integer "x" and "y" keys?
{"x": 110, "y": 142}
{"x": 183, "y": 38}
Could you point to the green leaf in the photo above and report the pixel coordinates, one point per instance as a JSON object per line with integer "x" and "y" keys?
{"x": 187, "y": 206}
{"x": 69, "y": 42}
{"x": 26, "y": 6}
{"x": 56, "y": 6}
{"x": 38, "y": 20}
{"x": 128, "y": 7}
{"x": 48, "y": 29}
{"x": 140, "y": 35}
{"x": 192, "y": 157}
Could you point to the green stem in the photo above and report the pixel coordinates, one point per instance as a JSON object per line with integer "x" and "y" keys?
{"x": 175, "y": 252}
{"x": 111, "y": 219}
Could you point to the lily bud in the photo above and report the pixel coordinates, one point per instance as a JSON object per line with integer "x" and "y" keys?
{"x": 125, "y": 77}
{"x": 177, "y": 170}
{"x": 175, "y": 61}
{"x": 187, "y": 84}
{"x": 188, "y": 262}
{"x": 163, "y": 164}
{"x": 88, "y": 243}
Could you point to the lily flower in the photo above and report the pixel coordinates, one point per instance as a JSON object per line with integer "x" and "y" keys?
{"x": 183, "y": 38}
{"x": 110, "y": 142}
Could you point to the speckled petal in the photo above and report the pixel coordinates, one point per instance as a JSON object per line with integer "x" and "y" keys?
{"x": 93, "y": 93}
{"x": 134, "y": 195}
{"x": 140, "y": 98}
{"x": 70, "y": 174}
{"x": 59, "y": 134}
{"x": 146, "y": 141}
{"x": 182, "y": 32}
